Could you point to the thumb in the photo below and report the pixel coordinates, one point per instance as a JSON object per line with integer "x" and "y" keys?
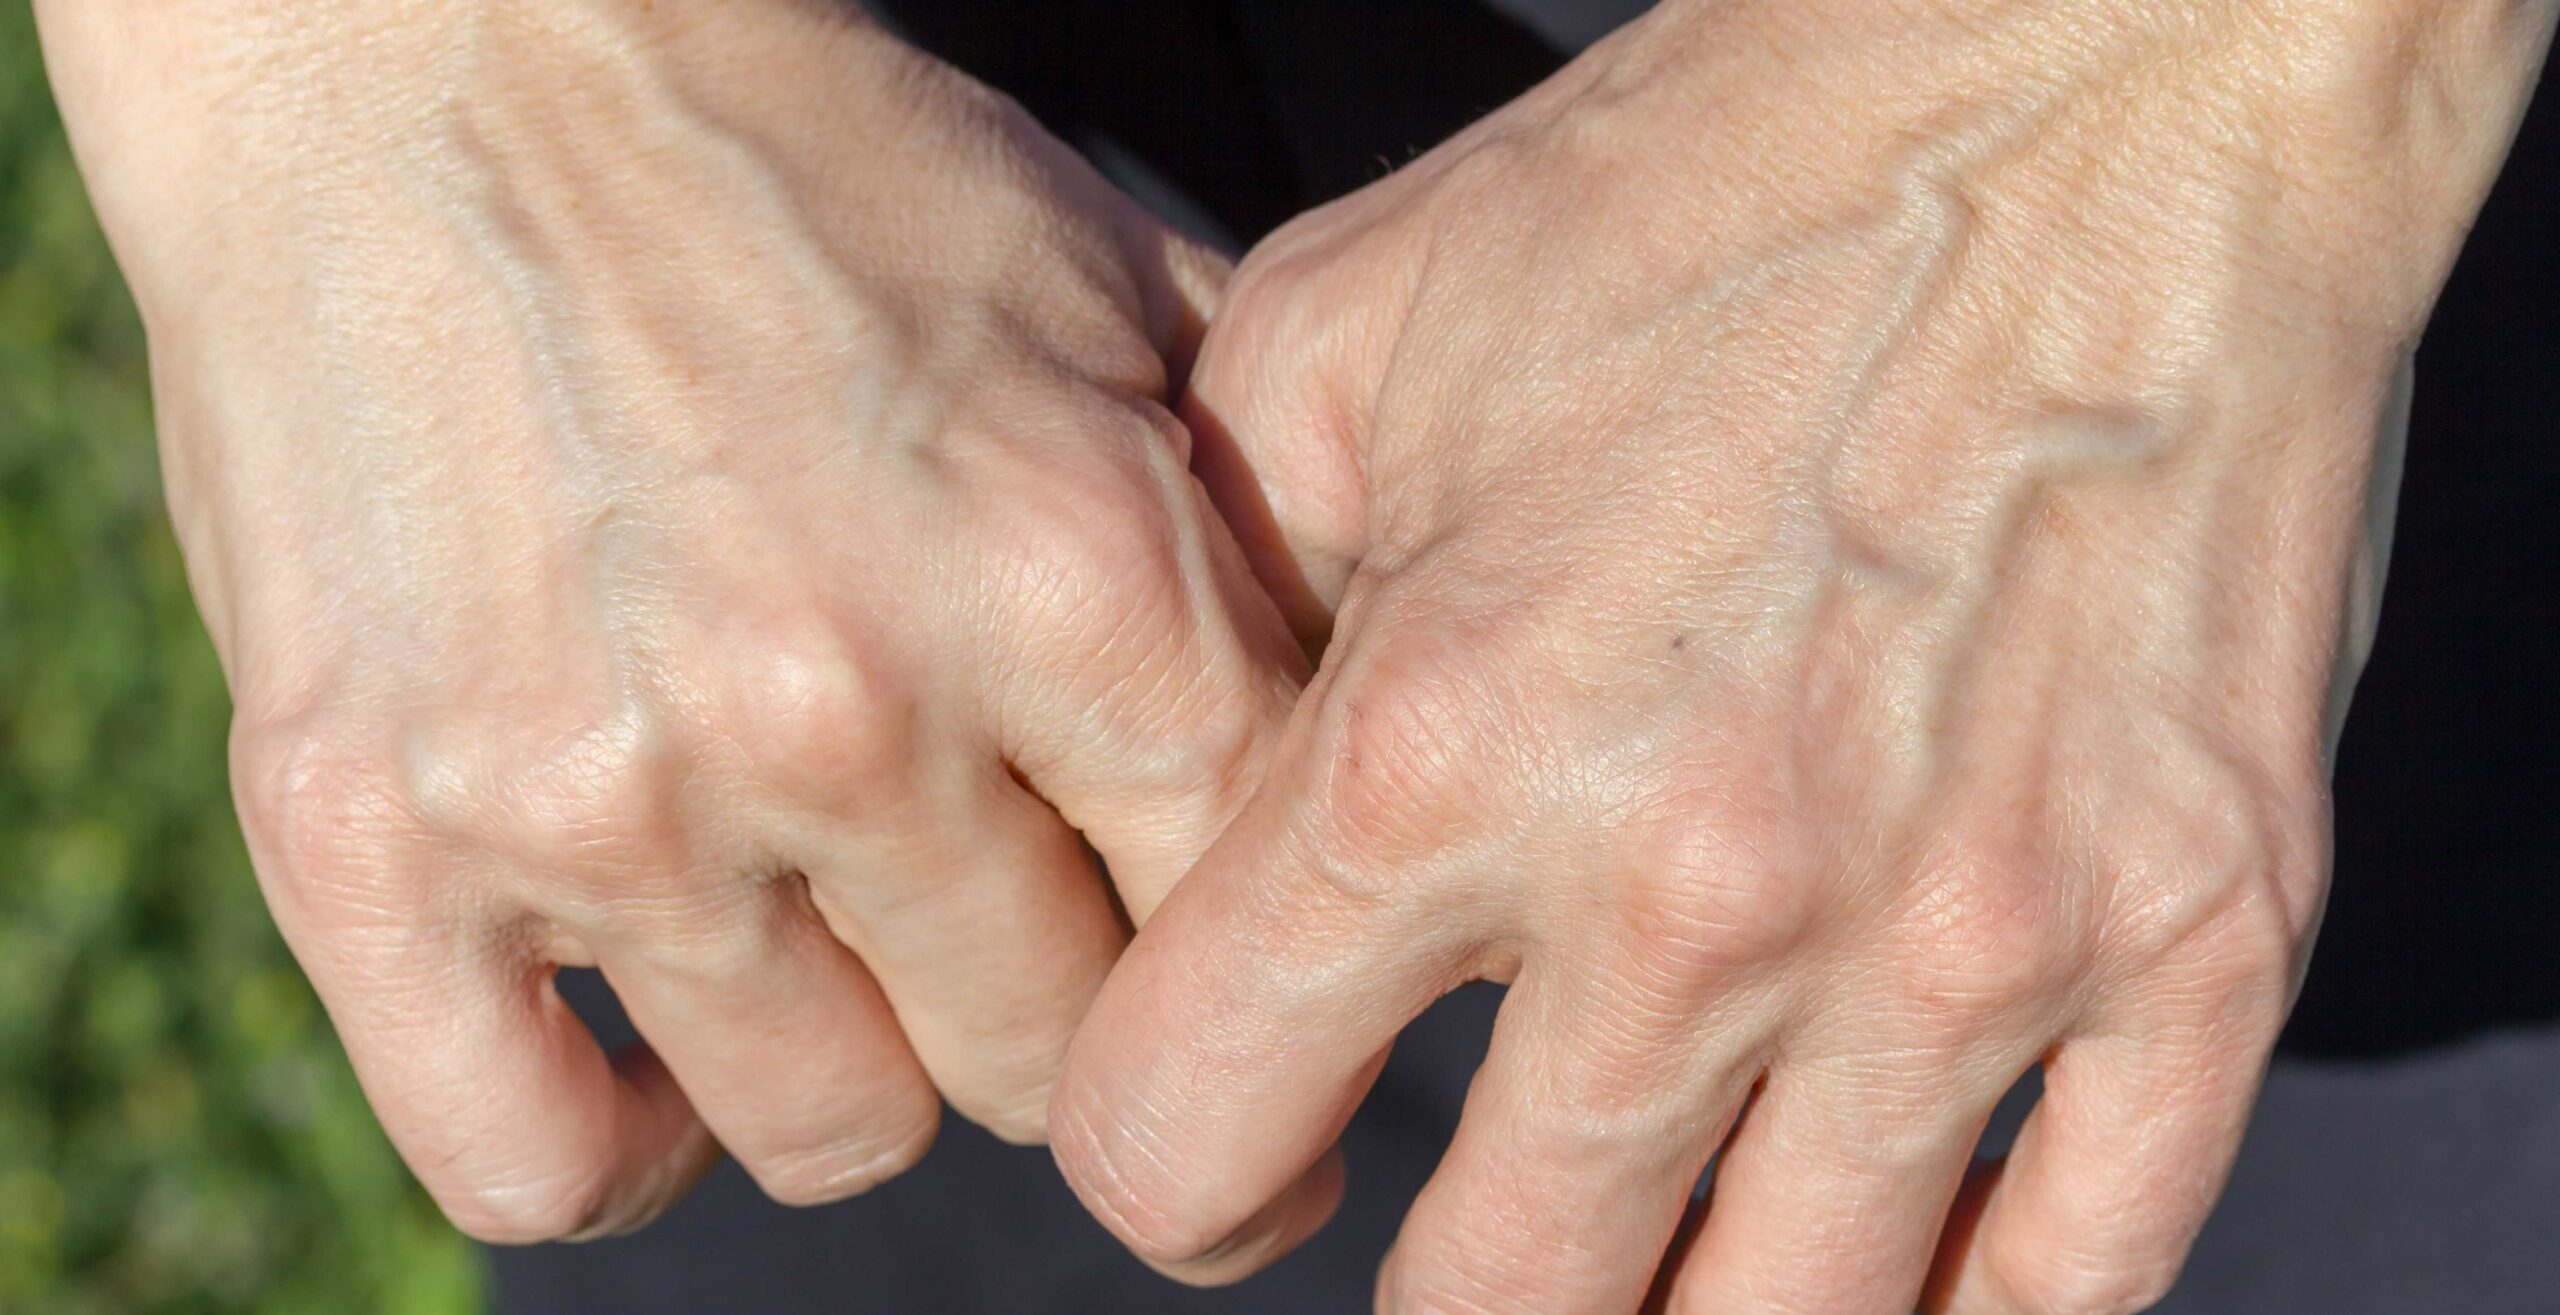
{"x": 1278, "y": 408}
{"x": 1241, "y": 472}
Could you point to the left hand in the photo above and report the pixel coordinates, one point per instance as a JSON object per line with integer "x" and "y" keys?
{"x": 1845, "y": 518}
{"x": 684, "y": 490}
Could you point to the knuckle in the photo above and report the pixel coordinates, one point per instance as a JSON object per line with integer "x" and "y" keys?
{"x": 322, "y": 805}
{"x": 2219, "y": 853}
{"x": 551, "y": 1208}
{"x": 1085, "y": 535}
{"x": 824, "y": 719}
{"x": 1420, "y": 748}
{"x": 1097, "y": 580}
{"x": 594, "y": 791}
{"x": 1196, "y": 744}
{"x": 308, "y": 791}
{"x": 1132, "y": 1184}
{"x": 1710, "y": 893}
{"x": 2226, "y": 996}
{"x": 1275, "y": 308}
{"x": 1009, "y": 1095}
{"x": 564, "y": 796}
{"x": 1219, "y": 758}
{"x": 2074, "y": 1284}
{"x": 1277, "y": 327}
{"x": 1990, "y": 933}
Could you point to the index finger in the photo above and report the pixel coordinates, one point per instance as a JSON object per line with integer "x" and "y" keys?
{"x": 1232, "y": 1043}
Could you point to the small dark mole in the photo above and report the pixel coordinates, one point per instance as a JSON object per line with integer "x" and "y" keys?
{"x": 1679, "y": 641}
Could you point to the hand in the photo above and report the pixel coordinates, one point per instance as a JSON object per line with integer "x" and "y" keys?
{"x": 688, "y": 493}
{"x": 1847, "y": 519}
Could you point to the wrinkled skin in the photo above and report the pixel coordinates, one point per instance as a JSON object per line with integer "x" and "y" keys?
{"x": 688, "y": 492}
{"x": 1846, "y": 520}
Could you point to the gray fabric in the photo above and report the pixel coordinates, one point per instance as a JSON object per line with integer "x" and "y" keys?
{"x": 2428, "y": 1183}
{"x": 1571, "y": 24}
{"x": 2424, "y": 1184}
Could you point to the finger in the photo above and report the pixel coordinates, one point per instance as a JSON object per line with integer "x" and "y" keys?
{"x": 1833, "y": 1193}
{"x": 1231, "y": 1044}
{"x": 1242, "y": 494}
{"x": 2109, "y": 1182}
{"x": 1153, "y": 749}
{"x": 1583, "y": 1137}
{"x": 989, "y": 930}
{"x": 778, "y": 1035}
{"x": 496, "y": 1093}
{"x": 1279, "y": 401}
{"x": 1274, "y": 1231}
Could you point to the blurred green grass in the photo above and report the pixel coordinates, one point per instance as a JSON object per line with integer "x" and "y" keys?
{"x": 178, "y": 1129}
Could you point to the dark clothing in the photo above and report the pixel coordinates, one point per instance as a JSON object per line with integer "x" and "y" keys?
{"x": 2406, "y": 1158}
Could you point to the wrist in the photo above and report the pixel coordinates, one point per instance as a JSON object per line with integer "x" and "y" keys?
{"x": 2371, "y": 129}
{"x": 171, "y": 87}
{"x": 213, "y": 133}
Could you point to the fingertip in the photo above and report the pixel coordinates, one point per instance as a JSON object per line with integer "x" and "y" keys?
{"x": 500, "y": 1099}
{"x": 787, "y": 1052}
{"x": 667, "y": 1147}
{"x": 570, "y": 1177}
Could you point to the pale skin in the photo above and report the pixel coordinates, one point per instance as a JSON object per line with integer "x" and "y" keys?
{"x": 1846, "y": 519}
{"x": 688, "y": 493}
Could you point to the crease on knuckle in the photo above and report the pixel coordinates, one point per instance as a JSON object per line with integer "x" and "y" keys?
{"x": 1199, "y": 746}
{"x": 1090, "y": 540}
{"x": 1479, "y": 1280}
{"x": 1106, "y": 604}
{"x": 567, "y": 1202}
{"x": 568, "y": 798}
{"x": 888, "y": 1144}
{"x": 2074, "y": 1281}
{"x": 1008, "y": 1094}
{"x": 2210, "y": 860}
{"x": 1134, "y": 1184}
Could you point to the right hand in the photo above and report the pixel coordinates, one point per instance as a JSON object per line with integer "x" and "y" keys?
{"x": 690, "y": 495}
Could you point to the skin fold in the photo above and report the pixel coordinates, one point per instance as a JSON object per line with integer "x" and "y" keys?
{"x": 1846, "y": 519}
{"x": 688, "y": 492}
